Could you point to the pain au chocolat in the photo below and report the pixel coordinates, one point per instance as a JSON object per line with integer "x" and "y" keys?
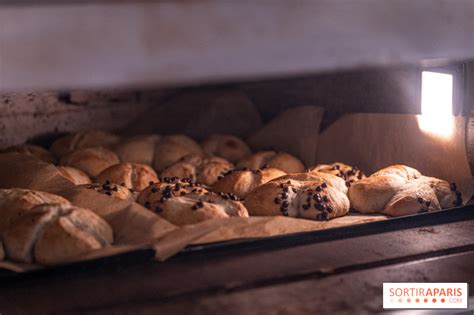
{"x": 81, "y": 140}
{"x": 35, "y": 151}
{"x": 183, "y": 202}
{"x": 350, "y": 174}
{"x": 401, "y": 190}
{"x": 170, "y": 149}
{"x": 137, "y": 149}
{"x": 280, "y": 160}
{"x": 229, "y": 147}
{"x": 130, "y": 175}
{"x": 199, "y": 168}
{"x": 310, "y": 196}
{"x": 91, "y": 161}
{"x": 241, "y": 182}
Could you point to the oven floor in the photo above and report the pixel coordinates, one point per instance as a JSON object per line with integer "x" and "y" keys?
{"x": 339, "y": 276}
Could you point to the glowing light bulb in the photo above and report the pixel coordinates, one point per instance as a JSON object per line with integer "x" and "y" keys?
{"x": 436, "y": 104}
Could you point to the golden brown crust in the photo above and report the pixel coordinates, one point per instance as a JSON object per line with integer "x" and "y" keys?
{"x": 401, "y": 190}
{"x": 280, "y": 160}
{"x": 350, "y": 174}
{"x": 15, "y": 202}
{"x": 112, "y": 190}
{"x": 399, "y": 170}
{"x": 130, "y": 175}
{"x": 315, "y": 200}
{"x": 170, "y": 149}
{"x": 226, "y": 146}
{"x": 92, "y": 161}
{"x": 74, "y": 175}
{"x": 138, "y": 149}
{"x": 242, "y": 182}
{"x": 50, "y": 234}
{"x": 81, "y": 140}
{"x": 35, "y": 151}
{"x": 205, "y": 170}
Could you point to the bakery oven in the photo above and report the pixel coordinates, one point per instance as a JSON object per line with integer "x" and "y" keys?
{"x": 211, "y": 157}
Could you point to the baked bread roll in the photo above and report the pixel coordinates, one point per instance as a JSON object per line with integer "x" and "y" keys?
{"x": 401, "y": 190}
{"x": 51, "y": 234}
{"x": 130, "y": 175}
{"x": 350, "y": 174}
{"x": 157, "y": 193}
{"x": 15, "y": 202}
{"x": 35, "y": 151}
{"x": 226, "y": 146}
{"x": 196, "y": 207}
{"x": 81, "y": 140}
{"x": 92, "y": 161}
{"x": 281, "y": 160}
{"x": 315, "y": 200}
{"x": 242, "y": 182}
{"x": 403, "y": 171}
{"x": 170, "y": 149}
{"x": 138, "y": 149}
{"x": 204, "y": 170}
{"x": 74, "y": 175}
{"x": 112, "y": 190}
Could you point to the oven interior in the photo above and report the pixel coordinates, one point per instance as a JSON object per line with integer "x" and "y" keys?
{"x": 375, "y": 76}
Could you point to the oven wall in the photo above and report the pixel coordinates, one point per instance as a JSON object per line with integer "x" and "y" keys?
{"x": 33, "y": 116}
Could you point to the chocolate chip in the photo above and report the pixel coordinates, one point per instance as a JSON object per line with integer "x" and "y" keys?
{"x": 329, "y": 208}
{"x": 294, "y": 190}
{"x": 325, "y": 198}
{"x": 348, "y": 184}
{"x": 158, "y": 209}
{"x": 317, "y": 198}
{"x": 147, "y": 205}
{"x": 151, "y": 183}
{"x": 318, "y": 206}
{"x": 154, "y": 190}
{"x": 322, "y": 216}
{"x": 324, "y": 185}
{"x": 306, "y": 207}
{"x": 319, "y": 189}
{"x": 419, "y": 199}
{"x": 107, "y": 182}
{"x": 284, "y": 195}
{"x": 108, "y": 193}
{"x": 428, "y": 203}
{"x": 285, "y": 204}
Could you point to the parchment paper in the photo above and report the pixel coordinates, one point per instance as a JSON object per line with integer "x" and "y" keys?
{"x": 294, "y": 131}
{"x": 370, "y": 141}
{"x": 374, "y": 141}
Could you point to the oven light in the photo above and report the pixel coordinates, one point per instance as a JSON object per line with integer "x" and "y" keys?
{"x": 436, "y": 104}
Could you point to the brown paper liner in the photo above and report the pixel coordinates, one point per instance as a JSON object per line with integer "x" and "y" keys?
{"x": 374, "y": 141}
{"x": 369, "y": 141}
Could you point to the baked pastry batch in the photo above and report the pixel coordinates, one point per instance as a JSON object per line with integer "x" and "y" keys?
{"x": 186, "y": 182}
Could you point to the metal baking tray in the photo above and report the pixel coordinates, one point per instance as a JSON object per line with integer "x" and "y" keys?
{"x": 464, "y": 213}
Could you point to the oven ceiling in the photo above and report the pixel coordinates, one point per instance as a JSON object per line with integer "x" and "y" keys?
{"x": 98, "y": 44}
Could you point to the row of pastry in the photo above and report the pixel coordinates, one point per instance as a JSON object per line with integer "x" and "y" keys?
{"x": 222, "y": 177}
